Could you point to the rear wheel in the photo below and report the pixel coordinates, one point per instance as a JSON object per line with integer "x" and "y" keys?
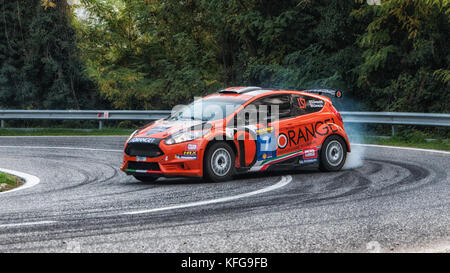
{"x": 333, "y": 154}
{"x": 145, "y": 178}
{"x": 219, "y": 162}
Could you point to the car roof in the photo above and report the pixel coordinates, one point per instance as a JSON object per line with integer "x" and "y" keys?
{"x": 250, "y": 93}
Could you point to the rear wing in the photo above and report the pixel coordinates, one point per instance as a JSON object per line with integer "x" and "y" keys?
{"x": 329, "y": 92}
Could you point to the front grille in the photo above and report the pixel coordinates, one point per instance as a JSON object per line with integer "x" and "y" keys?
{"x": 148, "y": 166}
{"x": 143, "y": 149}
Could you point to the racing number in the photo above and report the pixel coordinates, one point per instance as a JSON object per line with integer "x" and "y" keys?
{"x": 267, "y": 146}
{"x": 266, "y": 141}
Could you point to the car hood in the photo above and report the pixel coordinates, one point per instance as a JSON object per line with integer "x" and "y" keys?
{"x": 164, "y": 128}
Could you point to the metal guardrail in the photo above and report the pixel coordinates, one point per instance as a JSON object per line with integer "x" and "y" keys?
{"x": 391, "y": 118}
{"x": 99, "y": 115}
{"x": 397, "y": 118}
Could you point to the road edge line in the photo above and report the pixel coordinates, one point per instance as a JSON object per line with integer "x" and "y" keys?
{"x": 286, "y": 179}
{"x": 30, "y": 180}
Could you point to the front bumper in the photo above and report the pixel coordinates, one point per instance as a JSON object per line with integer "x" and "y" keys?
{"x": 183, "y": 159}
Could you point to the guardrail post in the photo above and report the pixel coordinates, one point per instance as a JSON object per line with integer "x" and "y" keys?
{"x": 393, "y": 130}
{"x": 2, "y": 124}
{"x": 100, "y": 124}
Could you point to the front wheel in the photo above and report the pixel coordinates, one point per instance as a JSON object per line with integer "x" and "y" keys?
{"x": 333, "y": 154}
{"x": 219, "y": 162}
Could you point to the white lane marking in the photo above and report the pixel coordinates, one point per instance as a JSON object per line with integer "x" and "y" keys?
{"x": 402, "y": 148}
{"x": 63, "y": 148}
{"x": 283, "y": 182}
{"x": 27, "y": 224}
{"x": 30, "y": 180}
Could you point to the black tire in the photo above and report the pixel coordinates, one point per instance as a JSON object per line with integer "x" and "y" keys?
{"x": 333, "y": 154}
{"x": 219, "y": 162}
{"x": 146, "y": 178}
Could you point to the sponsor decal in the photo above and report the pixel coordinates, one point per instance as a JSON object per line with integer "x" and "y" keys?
{"x": 307, "y": 161}
{"x": 316, "y": 103}
{"x": 141, "y": 158}
{"x": 187, "y": 155}
{"x": 306, "y": 133}
{"x": 141, "y": 171}
{"x": 311, "y": 153}
{"x": 192, "y": 146}
{"x": 266, "y": 144}
{"x": 301, "y": 103}
{"x": 282, "y": 141}
{"x": 149, "y": 140}
{"x": 264, "y": 131}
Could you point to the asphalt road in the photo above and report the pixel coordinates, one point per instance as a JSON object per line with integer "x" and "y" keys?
{"x": 396, "y": 200}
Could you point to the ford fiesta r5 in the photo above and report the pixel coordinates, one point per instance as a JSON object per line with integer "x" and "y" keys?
{"x": 241, "y": 129}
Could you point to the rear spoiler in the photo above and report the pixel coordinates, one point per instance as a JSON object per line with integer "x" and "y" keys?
{"x": 330, "y": 92}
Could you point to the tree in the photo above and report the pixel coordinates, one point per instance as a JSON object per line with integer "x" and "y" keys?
{"x": 40, "y": 67}
{"x": 406, "y": 56}
{"x": 148, "y": 54}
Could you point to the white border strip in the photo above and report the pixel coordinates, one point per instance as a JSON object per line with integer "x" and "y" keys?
{"x": 283, "y": 182}
{"x": 30, "y": 180}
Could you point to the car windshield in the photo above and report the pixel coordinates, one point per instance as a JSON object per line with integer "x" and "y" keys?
{"x": 208, "y": 109}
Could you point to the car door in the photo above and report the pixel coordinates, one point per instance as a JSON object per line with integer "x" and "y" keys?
{"x": 304, "y": 110}
{"x": 274, "y": 140}
{"x": 259, "y": 125}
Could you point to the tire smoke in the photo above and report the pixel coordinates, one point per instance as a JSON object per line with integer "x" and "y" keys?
{"x": 355, "y": 159}
{"x": 356, "y": 132}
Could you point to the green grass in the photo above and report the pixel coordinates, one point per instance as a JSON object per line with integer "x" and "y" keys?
{"x": 416, "y": 141}
{"x": 438, "y": 144}
{"x": 65, "y": 132}
{"x": 8, "y": 182}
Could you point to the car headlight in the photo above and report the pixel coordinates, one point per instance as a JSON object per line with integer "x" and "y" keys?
{"x": 185, "y": 136}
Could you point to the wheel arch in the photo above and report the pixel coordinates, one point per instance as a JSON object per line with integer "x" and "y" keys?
{"x": 332, "y": 129}
{"x": 229, "y": 142}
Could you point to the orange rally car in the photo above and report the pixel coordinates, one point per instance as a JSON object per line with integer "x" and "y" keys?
{"x": 241, "y": 129}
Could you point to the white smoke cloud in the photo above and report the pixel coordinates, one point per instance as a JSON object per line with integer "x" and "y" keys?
{"x": 355, "y": 159}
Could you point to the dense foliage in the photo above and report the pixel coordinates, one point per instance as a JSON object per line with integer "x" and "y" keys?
{"x": 150, "y": 54}
{"x": 40, "y": 64}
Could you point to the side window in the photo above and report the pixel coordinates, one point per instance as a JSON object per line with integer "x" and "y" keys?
{"x": 302, "y": 105}
{"x": 262, "y": 108}
{"x": 283, "y": 102}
